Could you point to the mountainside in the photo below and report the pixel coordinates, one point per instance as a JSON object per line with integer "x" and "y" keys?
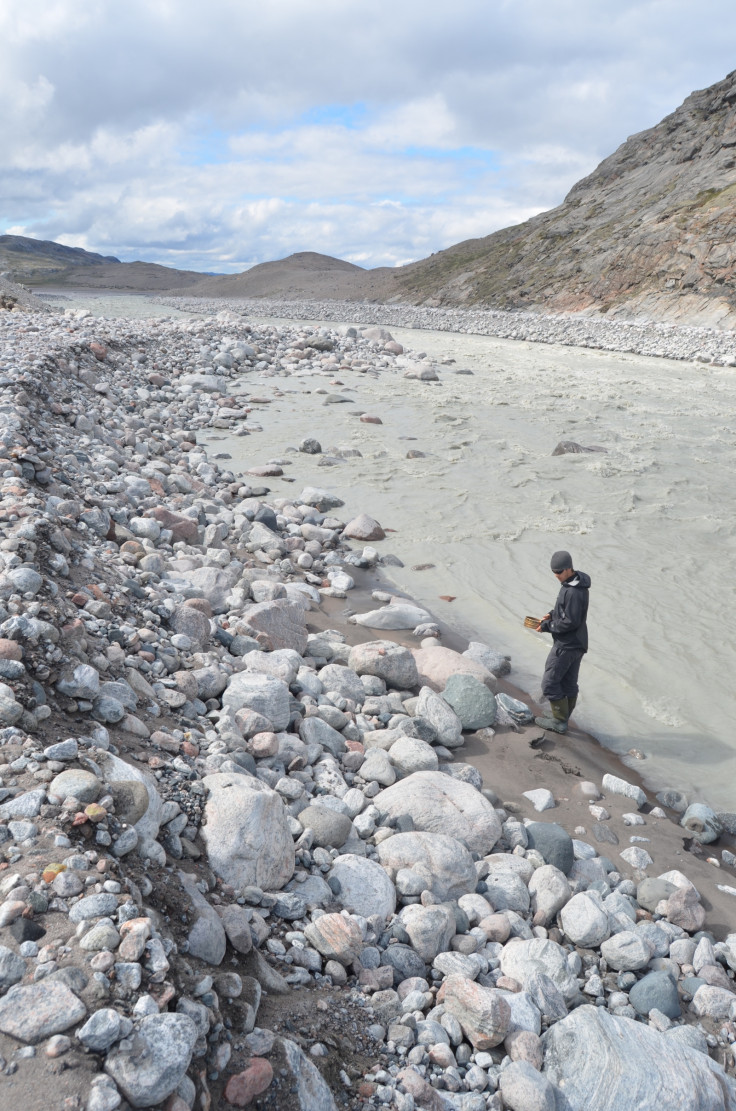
{"x": 36, "y": 262}
{"x": 650, "y": 231}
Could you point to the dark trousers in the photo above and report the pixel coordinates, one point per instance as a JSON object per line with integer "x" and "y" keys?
{"x": 560, "y": 679}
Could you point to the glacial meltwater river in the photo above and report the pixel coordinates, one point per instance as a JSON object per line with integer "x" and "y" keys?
{"x": 651, "y": 520}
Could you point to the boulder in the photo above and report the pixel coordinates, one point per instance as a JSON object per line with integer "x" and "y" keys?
{"x": 438, "y": 803}
{"x": 336, "y": 936}
{"x": 331, "y": 829}
{"x": 584, "y": 920}
{"x": 430, "y": 929}
{"x": 247, "y": 834}
{"x": 549, "y": 890}
{"x": 483, "y": 1013}
{"x": 364, "y": 527}
{"x": 363, "y": 886}
{"x": 191, "y": 623}
{"x": 627, "y": 951}
{"x": 150, "y": 1064}
{"x": 409, "y": 755}
{"x": 397, "y": 615}
{"x": 282, "y": 621}
{"x": 442, "y": 865}
{"x": 263, "y": 694}
{"x": 522, "y": 960}
{"x": 441, "y": 717}
{"x": 604, "y": 1062}
{"x": 343, "y": 680}
{"x": 215, "y": 584}
{"x": 391, "y": 662}
{"x": 436, "y": 664}
{"x": 553, "y": 843}
{"x": 471, "y": 700}
{"x": 308, "y": 1091}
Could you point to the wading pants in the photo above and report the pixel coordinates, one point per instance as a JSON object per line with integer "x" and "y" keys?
{"x": 560, "y": 679}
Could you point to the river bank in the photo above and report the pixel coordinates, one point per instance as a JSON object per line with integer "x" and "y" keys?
{"x": 303, "y": 805}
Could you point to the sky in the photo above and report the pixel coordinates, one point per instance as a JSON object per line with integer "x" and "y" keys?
{"x": 215, "y": 136}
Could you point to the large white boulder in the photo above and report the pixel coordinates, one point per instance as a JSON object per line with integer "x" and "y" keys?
{"x": 365, "y": 887}
{"x": 247, "y": 832}
{"x": 438, "y": 803}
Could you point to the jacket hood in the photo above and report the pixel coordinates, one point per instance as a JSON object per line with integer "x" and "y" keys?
{"x": 583, "y": 580}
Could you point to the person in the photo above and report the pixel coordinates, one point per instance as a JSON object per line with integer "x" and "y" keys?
{"x": 567, "y": 624}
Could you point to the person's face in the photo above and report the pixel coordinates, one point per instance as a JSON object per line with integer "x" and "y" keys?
{"x": 563, "y": 576}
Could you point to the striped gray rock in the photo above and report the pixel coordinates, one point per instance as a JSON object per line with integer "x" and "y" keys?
{"x": 607, "y": 1063}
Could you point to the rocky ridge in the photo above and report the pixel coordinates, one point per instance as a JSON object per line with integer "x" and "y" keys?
{"x": 211, "y": 801}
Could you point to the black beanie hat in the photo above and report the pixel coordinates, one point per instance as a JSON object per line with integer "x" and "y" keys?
{"x": 561, "y": 561}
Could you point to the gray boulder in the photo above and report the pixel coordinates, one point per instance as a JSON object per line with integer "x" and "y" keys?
{"x": 282, "y": 620}
{"x": 262, "y": 693}
{"x": 446, "y": 723}
{"x": 409, "y": 755}
{"x": 441, "y": 864}
{"x": 603, "y": 1062}
{"x": 151, "y": 1063}
{"x": 522, "y": 960}
{"x": 364, "y": 886}
{"x": 308, "y": 1090}
{"x": 553, "y": 843}
{"x": 471, "y": 700}
{"x": 247, "y": 834}
{"x": 656, "y": 991}
{"x": 331, "y": 829}
{"x": 391, "y": 662}
{"x": 438, "y": 803}
{"x": 585, "y": 920}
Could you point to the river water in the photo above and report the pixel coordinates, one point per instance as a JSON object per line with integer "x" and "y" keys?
{"x": 651, "y": 520}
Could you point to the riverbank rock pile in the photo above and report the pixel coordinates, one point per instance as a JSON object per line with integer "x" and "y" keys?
{"x": 639, "y": 337}
{"x": 239, "y": 862}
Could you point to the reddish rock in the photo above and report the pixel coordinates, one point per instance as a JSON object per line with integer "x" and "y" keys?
{"x": 10, "y": 650}
{"x": 182, "y": 528}
{"x": 684, "y": 909}
{"x": 99, "y": 351}
{"x": 523, "y": 1045}
{"x": 364, "y": 527}
{"x": 189, "y": 748}
{"x": 365, "y": 419}
{"x": 376, "y": 979}
{"x": 483, "y": 1013}
{"x": 264, "y": 744}
{"x": 269, "y": 470}
{"x": 242, "y": 1088}
{"x": 200, "y": 604}
{"x": 424, "y": 1094}
{"x": 335, "y": 937}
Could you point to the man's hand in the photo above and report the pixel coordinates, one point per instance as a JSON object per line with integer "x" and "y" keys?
{"x": 545, "y": 618}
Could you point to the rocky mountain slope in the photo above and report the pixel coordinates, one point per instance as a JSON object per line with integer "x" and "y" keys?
{"x": 650, "y": 231}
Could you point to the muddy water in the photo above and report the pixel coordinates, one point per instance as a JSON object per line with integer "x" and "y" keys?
{"x": 651, "y": 519}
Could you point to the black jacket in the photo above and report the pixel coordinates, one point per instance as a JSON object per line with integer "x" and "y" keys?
{"x": 567, "y": 623}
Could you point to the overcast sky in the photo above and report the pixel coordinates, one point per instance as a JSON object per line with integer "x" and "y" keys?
{"x": 215, "y": 135}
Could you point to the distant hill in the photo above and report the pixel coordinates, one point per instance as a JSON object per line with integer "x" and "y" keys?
{"x": 41, "y": 262}
{"x": 306, "y": 274}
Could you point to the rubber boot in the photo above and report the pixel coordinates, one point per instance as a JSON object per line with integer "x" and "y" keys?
{"x": 557, "y": 721}
{"x": 571, "y": 704}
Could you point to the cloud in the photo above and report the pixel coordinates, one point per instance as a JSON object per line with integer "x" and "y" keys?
{"x": 212, "y": 138}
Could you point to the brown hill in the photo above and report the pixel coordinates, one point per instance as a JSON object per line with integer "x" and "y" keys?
{"x": 306, "y": 274}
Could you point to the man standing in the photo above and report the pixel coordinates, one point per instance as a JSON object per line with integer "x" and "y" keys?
{"x": 569, "y": 632}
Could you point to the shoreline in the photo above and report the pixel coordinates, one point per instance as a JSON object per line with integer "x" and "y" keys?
{"x": 646, "y": 338}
